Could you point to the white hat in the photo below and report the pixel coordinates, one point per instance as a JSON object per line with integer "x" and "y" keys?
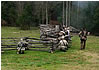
{"x": 62, "y": 31}
{"x": 21, "y": 39}
{"x": 63, "y": 37}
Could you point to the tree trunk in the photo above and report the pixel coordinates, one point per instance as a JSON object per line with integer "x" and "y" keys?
{"x": 66, "y": 13}
{"x": 77, "y": 14}
{"x": 42, "y": 13}
{"x": 19, "y": 7}
{"x": 69, "y": 13}
{"x": 63, "y": 12}
{"x": 46, "y": 13}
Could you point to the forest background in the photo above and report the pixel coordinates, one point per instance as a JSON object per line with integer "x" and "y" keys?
{"x": 27, "y": 14}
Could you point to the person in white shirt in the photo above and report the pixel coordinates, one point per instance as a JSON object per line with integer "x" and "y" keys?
{"x": 67, "y": 33}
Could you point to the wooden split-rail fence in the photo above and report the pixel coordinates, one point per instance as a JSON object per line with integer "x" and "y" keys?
{"x": 48, "y": 39}
{"x": 35, "y": 44}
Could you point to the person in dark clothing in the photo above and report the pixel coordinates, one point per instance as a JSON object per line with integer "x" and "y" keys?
{"x": 83, "y": 37}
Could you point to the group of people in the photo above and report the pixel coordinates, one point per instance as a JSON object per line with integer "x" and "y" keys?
{"x": 82, "y": 34}
{"x": 66, "y": 33}
{"x": 63, "y": 39}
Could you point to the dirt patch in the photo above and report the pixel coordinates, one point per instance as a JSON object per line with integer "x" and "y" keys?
{"x": 76, "y": 67}
{"x": 94, "y": 57}
{"x": 16, "y": 32}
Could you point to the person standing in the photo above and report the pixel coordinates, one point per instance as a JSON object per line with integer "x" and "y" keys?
{"x": 83, "y": 37}
{"x": 67, "y": 32}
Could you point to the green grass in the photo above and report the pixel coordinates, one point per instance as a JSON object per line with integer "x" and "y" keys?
{"x": 73, "y": 59}
{"x": 15, "y": 32}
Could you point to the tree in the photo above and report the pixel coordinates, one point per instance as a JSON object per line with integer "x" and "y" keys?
{"x": 8, "y": 12}
{"x": 25, "y": 18}
{"x": 95, "y": 29}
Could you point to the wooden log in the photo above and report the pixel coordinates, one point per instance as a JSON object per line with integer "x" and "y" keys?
{"x": 8, "y": 45}
{"x": 27, "y": 50}
{"x": 21, "y": 37}
{"x": 2, "y": 52}
{"x": 34, "y": 38}
{"x": 10, "y": 38}
{"x": 45, "y": 42}
{"x": 29, "y": 47}
{"x": 32, "y": 46}
{"x": 7, "y": 49}
{"x": 38, "y": 47}
{"x": 39, "y": 43}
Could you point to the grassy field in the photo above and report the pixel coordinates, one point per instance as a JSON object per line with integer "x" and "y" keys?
{"x": 73, "y": 59}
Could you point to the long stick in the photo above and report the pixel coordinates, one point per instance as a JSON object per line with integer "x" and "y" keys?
{"x": 9, "y": 45}
{"x": 7, "y": 49}
{"x": 46, "y": 42}
{"x": 29, "y": 47}
{"x": 10, "y": 38}
{"x": 21, "y": 37}
{"x": 38, "y": 47}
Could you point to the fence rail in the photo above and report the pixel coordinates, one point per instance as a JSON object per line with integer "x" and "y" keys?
{"x": 35, "y": 44}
